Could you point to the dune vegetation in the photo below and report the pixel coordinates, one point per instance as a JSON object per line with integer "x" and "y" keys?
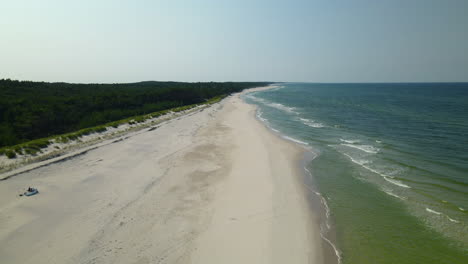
{"x": 34, "y": 113}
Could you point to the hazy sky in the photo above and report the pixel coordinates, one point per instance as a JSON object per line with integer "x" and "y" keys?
{"x": 237, "y": 40}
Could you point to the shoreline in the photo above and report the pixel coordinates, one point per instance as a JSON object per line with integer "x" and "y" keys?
{"x": 210, "y": 187}
{"x": 287, "y": 191}
{"x": 316, "y": 204}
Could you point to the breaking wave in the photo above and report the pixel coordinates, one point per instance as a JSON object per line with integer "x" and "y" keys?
{"x": 288, "y": 109}
{"x": 350, "y": 141}
{"x": 282, "y": 107}
{"x": 365, "y": 148}
{"x": 394, "y": 195}
{"x": 441, "y": 214}
{"x": 395, "y": 182}
{"x": 433, "y": 211}
{"x": 337, "y": 252}
{"x": 295, "y": 140}
{"x": 311, "y": 123}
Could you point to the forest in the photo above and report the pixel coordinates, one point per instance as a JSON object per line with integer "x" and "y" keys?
{"x": 31, "y": 110}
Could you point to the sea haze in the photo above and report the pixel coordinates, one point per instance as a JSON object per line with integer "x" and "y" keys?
{"x": 392, "y": 164}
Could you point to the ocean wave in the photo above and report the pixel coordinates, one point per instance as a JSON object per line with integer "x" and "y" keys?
{"x": 388, "y": 178}
{"x": 365, "y": 148}
{"x": 282, "y": 107}
{"x": 397, "y": 183}
{"x": 265, "y": 121}
{"x": 441, "y": 214}
{"x": 278, "y": 106}
{"x": 394, "y": 195}
{"x": 350, "y": 141}
{"x": 254, "y": 98}
{"x": 361, "y": 162}
{"x": 275, "y": 87}
{"x": 295, "y": 140}
{"x": 260, "y": 116}
{"x": 323, "y": 201}
{"x": 325, "y": 205}
{"x": 337, "y": 252}
{"x": 461, "y": 209}
{"x": 433, "y": 211}
{"x": 311, "y": 123}
{"x": 453, "y": 220}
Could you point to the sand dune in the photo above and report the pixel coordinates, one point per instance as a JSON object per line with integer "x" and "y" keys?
{"x": 210, "y": 187}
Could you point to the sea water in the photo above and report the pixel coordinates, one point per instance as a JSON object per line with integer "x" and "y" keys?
{"x": 391, "y": 164}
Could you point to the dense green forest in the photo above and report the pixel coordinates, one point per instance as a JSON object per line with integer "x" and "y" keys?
{"x": 32, "y": 110}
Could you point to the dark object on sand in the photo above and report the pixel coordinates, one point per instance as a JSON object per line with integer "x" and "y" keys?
{"x": 31, "y": 191}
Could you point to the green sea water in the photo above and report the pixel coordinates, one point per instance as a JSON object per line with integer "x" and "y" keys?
{"x": 391, "y": 164}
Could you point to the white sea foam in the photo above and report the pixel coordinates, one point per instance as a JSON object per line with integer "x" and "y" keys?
{"x": 254, "y": 98}
{"x": 275, "y": 88}
{"x": 295, "y": 140}
{"x": 361, "y": 162}
{"x": 365, "y": 148}
{"x": 432, "y": 211}
{"x": 394, "y": 195}
{"x": 439, "y": 213}
{"x": 398, "y": 183}
{"x": 282, "y": 107}
{"x": 265, "y": 121}
{"x": 260, "y": 116}
{"x": 386, "y": 177}
{"x": 310, "y": 173}
{"x": 337, "y": 252}
{"x": 461, "y": 209}
{"x": 323, "y": 201}
{"x": 311, "y": 123}
{"x": 278, "y": 106}
{"x": 327, "y": 209}
{"x": 350, "y": 141}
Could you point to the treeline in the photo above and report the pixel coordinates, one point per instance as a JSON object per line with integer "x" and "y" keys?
{"x": 32, "y": 110}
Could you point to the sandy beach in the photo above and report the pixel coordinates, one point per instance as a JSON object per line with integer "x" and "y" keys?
{"x": 213, "y": 186}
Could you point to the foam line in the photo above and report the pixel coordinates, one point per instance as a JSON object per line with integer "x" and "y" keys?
{"x": 311, "y": 123}
{"x": 398, "y": 183}
{"x": 350, "y": 141}
{"x": 337, "y": 252}
{"x": 295, "y": 140}
{"x": 386, "y": 177}
{"x": 365, "y": 148}
{"x": 394, "y": 195}
{"x": 432, "y": 211}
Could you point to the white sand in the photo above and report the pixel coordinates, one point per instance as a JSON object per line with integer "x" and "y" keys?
{"x": 210, "y": 187}
{"x": 57, "y": 150}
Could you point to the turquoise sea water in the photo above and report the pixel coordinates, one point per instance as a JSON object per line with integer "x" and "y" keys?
{"x": 392, "y": 164}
